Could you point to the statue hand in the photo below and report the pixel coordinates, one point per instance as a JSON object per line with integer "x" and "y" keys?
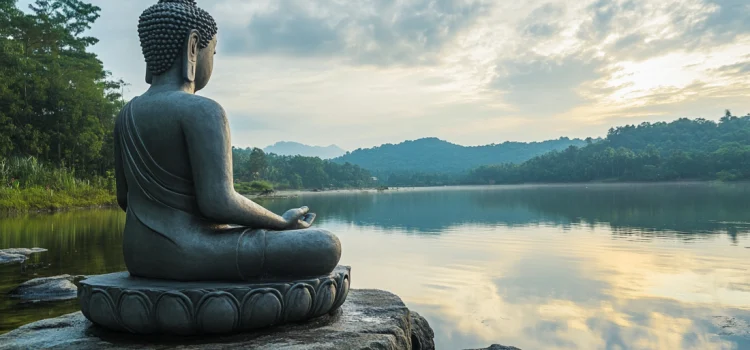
{"x": 298, "y": 218}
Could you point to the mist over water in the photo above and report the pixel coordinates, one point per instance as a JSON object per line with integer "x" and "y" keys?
{"x": 539, "y": 267}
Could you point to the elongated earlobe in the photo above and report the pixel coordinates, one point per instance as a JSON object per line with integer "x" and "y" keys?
{"x": 149, "y": 76}
{"x": 190, "y": 60}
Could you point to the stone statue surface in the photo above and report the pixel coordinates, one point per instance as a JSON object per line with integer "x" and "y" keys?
{"x": 174, "y": 172}
{"x": 201, "y": 258}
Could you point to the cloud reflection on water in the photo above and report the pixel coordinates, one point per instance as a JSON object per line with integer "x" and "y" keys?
{"x": 609, "y": 268}
{"x": 534, "y": 295}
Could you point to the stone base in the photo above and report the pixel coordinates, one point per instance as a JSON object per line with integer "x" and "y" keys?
{"x": 123, "y": 303}
{"x": 369, "y": 319}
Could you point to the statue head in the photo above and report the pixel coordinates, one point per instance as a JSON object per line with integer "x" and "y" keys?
{"x": 178, "y": 34}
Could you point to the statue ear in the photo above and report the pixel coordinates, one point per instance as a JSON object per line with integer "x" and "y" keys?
{"x": 149, "y": 76}
{"x": 190, "y": 59}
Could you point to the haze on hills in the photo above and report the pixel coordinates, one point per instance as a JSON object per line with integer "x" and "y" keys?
{"x": 288, "y": 148}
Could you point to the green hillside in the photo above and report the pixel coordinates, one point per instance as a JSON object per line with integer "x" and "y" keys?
{"x": 680, "y": 150}
{"x": 435, "y": 156}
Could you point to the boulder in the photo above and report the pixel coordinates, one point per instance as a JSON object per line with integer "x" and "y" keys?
{"x": 422, "y": 335}
{"x": 369, "y": 319}
{"x": 54, "y": 288}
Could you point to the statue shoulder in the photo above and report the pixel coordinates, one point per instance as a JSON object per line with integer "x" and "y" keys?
{"x": 203, "y": 110}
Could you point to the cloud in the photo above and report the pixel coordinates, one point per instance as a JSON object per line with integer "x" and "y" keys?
{"x": 542, "y": 21}
{"x": 736, "y": 69}
{"x": 642, "y": 29}
{"x": 379, "y": 33}
{"x": 542, "y": 85}
{"x": 727, "y": 21}
{"x": 469, "y": 71}
{"x": 290, "y": 29}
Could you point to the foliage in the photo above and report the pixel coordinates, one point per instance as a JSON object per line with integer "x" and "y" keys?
{"x": 253, "y": 187}
{"x": 296, "y": 172}
{"x": 683, "y": 149}
{"x": 28, "y": 172}
{"x": 28, "y": 184}
{"x": 57, "y": 102}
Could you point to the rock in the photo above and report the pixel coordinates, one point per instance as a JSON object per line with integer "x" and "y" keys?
{"x": 422, "y": 335}
{"x": 24, "y": 251}
{"x": 369, "y": 319}
{"x": 497, "y": 347}
{"x": 17, "y": 255}
{"x": 7, "y": 258}
{"x": 47, "y": 289}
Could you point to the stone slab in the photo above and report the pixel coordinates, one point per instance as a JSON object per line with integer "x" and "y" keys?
{"x": 369, "y": 319}
{"x": 146, "y": 306}
{"x": 53, "y": 288}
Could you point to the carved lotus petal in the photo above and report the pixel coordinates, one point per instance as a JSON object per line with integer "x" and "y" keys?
{"x": 325, "y": 297}
{"x": 84, "y": 298}
{"x": 298, "y": 301}
{"x": 342, "y": 293}
{"x": 218, "y": 313}
{"x": 102, "y": 309}
{"x": 135, "y": 312}
{"x": 261, "y": 309}
{"x": 174, "y": 313}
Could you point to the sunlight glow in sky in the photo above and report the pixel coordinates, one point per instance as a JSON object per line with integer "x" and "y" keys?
{"x": 363, "y": 73}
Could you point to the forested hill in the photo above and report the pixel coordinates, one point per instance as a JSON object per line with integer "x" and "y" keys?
{"x": 683, "y": 149}
{"x": 432, "y": 155}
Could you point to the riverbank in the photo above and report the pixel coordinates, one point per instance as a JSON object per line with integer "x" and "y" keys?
{"x": 41, "y": 199}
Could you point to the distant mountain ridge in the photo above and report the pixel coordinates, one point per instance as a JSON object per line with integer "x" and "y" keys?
{"x": 433, "y": 155}
{"x": 287, "y": 148}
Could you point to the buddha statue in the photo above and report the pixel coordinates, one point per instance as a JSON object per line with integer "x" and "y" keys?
{"x": 173, "y": 166}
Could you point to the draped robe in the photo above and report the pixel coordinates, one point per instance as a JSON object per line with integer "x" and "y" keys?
{"x": 167, "y": 237}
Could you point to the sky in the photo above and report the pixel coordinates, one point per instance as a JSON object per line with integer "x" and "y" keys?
{"x": 363, "y": 73}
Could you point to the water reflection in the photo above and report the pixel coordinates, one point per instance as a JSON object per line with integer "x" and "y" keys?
{"x": 551, "y": 267}
{"x": 645, "y": 209}
{"x": 79, "y": 242}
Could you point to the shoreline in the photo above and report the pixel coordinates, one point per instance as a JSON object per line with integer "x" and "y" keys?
{"x": 281, "y": 194}
{"x": 284, "y": 194}
{"x": 6, "y": 212}
{"x": 40, "y": 200}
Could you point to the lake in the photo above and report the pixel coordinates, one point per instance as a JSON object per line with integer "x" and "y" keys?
{"x": 627, "y": 266}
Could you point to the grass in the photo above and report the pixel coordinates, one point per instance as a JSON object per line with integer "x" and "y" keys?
{"x": 30, "y": 199}
{"x": 253, "y": 187}
{"x": 27, "y": 184}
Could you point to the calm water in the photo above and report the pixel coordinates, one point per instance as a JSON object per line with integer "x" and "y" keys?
{"x": 538, "y": 267}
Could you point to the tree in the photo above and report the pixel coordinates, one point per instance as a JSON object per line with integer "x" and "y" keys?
{"x": 257, "y": 162}
{"x": 56, "y": 100}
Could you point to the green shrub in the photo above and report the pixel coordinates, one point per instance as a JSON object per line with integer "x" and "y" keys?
{"x": 27, "y": 184}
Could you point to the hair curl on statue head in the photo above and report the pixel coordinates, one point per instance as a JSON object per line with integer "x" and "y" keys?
{"x": 163, "y": 28}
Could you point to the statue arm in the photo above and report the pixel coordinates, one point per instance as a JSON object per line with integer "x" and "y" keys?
{"x": 121, "y": 183}
{"x": 210, "y": 152}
